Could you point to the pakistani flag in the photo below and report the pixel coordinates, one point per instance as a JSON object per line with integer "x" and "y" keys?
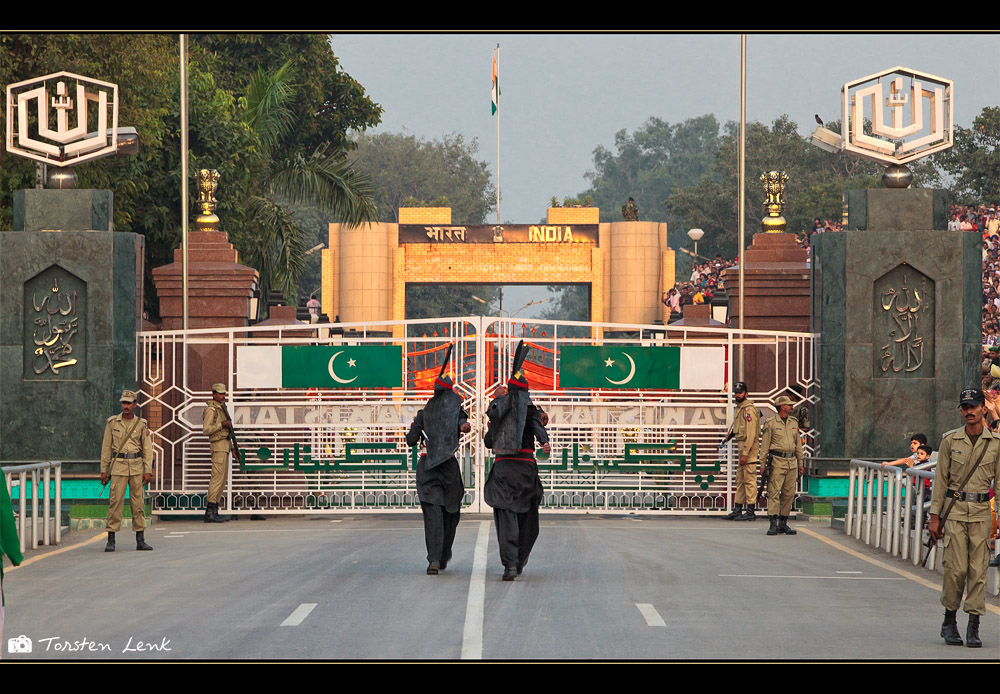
{"x": 310, "y": 366}
{"x": 630, "y": 366}
{"x": 495, "y": 93}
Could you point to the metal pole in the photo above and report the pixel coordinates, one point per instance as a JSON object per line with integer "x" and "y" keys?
{"x": 58, "y": 502}
{"x": 742, "y": 184}
{"x": 184, "y": 207}
{"x": 498, "y": 134}
{"x": 46, "y": 500}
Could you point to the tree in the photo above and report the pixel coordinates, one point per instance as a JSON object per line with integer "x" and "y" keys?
{"x": 272, "y": 240}
{"x": 817, "y": 181}
{"x": 258, "y": 159}
{"x": 974, "y": 159}
{"x": 407, "y": 169}
{"x": 650, "y": 164}
{"x": 145, "y": 66}
{"x": 326, "y": 103}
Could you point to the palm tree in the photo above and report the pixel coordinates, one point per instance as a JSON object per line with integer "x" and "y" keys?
{"x": 323, "y": 178}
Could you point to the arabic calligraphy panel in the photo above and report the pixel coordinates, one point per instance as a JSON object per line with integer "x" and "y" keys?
{"x": 55, "y": 326}
{"x": 903, "y": 324}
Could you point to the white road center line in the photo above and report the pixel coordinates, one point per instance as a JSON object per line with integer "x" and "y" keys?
{"x": 472, "y": 634}
{"x": 653, "y": 617}
{"x": 850, "y": 572}
{"x": 300, "y": 613}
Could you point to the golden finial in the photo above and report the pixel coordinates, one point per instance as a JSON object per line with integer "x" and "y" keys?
{"x": 207, "y": 181}
{"x": 774, "y": 187}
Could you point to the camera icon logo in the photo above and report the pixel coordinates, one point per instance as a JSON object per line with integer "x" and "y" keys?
{"x": 19, "y": 644}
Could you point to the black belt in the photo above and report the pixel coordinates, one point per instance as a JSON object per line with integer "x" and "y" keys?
{"x": 974, "y": 497}
{"x": 783, "y": 454}
{"x": 128, "y": 456}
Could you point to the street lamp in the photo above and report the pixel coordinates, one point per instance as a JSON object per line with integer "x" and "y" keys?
{"x": 695, "y": 235}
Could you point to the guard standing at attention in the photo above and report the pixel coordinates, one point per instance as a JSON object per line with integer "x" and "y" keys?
{"x": 782, "y": 444}
{"x": 217, "y": 425}
{"x": 745, "y": 431}
{"x": 968, "y": 467}
{"x": 127, "y": 460}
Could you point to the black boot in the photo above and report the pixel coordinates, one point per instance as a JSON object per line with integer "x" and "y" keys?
{"x": 773, "y": 530}
{"x": 140, "y": 541}
{"x": 747, "y": 514}
{"x": 509, "y": 573}
{"x": 783, "y": 526}
{"x": 215, "y": 512}
{"x": 734, "y": 514}
{"x": 432, "y": 568}
{"x": 949, "y": 629}
{"x": 212, "y": 513}
{"x": 110, "y": 547}
{"x": 972, "y": 632}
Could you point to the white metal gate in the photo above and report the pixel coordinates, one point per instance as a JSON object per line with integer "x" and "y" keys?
{"x": 333, "y": 450}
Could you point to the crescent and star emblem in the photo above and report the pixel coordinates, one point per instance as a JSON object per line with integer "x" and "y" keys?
{"x": 350, "y": 362}
{"x": 631, "y": 372}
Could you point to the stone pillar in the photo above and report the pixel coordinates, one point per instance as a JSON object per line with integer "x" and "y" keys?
{"x": 70, "y": 305}
{"x": 219, "y": 291}
{"x": 776, "y": 290}
{"x": 634, "y": 258}
{"x": 897, "y": 302}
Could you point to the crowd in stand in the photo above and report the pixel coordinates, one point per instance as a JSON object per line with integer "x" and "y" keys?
{"x": 706, "y": 277}
{"x": 704, "y": 283}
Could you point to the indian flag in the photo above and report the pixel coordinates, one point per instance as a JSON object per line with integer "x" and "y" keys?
{"x": 320, "y": 366}
{"x": 495, "y": 93}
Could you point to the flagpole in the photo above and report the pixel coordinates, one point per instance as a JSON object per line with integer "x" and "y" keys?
{"x": 497, "y": 77}
{"x": 184, "y": 206}
{"x": 742, "y": 185}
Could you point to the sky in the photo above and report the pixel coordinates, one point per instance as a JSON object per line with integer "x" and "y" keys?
{"x": 562, "y": 95}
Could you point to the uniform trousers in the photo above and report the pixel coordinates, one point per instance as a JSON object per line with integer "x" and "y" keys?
{"x": 516, "y": 535}
{"x": 220, "y": 460}
{"x": 439, "y": 531}
{"x": 965, "y": 561}
{"x": 781, "y": 488}
{"x": 116, "y": 502}
{"x": 746, "y": 484}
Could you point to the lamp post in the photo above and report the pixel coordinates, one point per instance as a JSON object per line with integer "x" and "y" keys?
{"x": 695, "y": 235}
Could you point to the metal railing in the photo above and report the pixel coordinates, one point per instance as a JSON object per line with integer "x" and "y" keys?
{"x": 40, "y": 486}
{"x": 874, "y": 502}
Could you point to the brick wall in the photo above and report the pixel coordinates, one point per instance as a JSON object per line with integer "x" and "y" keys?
{"x": 573, "y": 215}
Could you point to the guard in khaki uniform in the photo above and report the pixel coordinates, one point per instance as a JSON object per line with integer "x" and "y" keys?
{"x": 745, "y": 431}
{"x": 127, "y": 459}
{"x": 971, "y": 453}
{"x": 216, "y": 425}
{"x": 781, "y": 440}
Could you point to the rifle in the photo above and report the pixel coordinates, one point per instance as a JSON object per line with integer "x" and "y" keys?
{"x": 931, "y": 541}
{"x": 765, "y": 475}
{"x": 234, "y": 444}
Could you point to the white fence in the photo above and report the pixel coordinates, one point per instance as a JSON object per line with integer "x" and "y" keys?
{"x": 326, "y": 450}
{"x": 887, "y": 508}
{"x": 38, "y": 478}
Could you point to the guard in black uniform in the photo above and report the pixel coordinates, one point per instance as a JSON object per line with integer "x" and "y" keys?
{"x": 439, "y": 480}
{"x": 513, "y": 487}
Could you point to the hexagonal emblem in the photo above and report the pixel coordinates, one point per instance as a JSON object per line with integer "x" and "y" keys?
{"x": 911, "y": 115}
{"x": 62, "y": 119}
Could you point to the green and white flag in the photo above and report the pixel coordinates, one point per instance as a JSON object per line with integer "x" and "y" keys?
{"x": 630, "y": 366}
{"x": 326, "y": 366}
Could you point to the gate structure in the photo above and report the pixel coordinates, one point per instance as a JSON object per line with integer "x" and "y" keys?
{"x": 333, "y": 447}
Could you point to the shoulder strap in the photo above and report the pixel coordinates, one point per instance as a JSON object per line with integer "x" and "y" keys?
{"x": 968, "y": 477}
{"x": 128, "y": 436}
